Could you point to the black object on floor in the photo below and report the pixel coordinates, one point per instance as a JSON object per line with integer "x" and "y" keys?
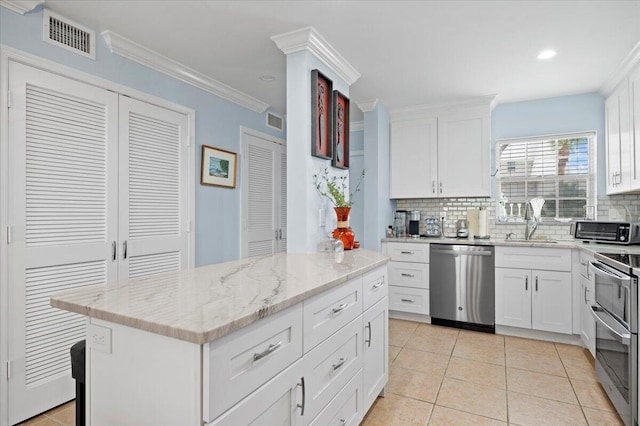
{"x": 77, "y": 372}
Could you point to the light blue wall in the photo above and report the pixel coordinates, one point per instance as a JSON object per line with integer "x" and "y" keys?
{"x": 217, "y": 228}
{"x": 564, "y": 114}
{"x": 356, "y": 140}
{"x": 377, "y": 205}
{"x": 356, "y": 165}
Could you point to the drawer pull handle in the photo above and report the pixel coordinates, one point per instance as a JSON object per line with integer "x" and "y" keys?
{"x": 267, "y": 351}
{"x": 340, "y": 308}
{"x": 406, "y": 252}
{"x": 368, "y": 341}
{"x": 408, "y": 300}
{"x": 526, "y": 283}
{"x": 407, "y": 275}
{"x": 536, "y": 283}
{"x": 301, "y": 406}
{"x": 378, "y": 285}
{"x": 340, "y": 363}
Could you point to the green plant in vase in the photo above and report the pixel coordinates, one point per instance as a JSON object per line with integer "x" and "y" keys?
{"x": 335, "y": 189}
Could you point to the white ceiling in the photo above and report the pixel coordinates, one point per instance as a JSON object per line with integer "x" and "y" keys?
{"x": 408, "y": 52}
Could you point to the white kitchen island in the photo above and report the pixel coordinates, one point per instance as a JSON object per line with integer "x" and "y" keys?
{"x": 283, "y": 339}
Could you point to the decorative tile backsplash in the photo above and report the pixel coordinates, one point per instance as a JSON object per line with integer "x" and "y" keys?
{"x": 614, "y": 207}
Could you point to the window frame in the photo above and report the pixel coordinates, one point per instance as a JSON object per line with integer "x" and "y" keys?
{"x": 591, "y": 179}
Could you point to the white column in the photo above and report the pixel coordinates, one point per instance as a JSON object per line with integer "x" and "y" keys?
{"x": 306, "y": 50}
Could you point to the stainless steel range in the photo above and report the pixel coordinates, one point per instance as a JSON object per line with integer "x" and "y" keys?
{"x": 616, "y": 314}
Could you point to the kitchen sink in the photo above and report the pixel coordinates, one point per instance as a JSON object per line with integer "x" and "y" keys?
{"x": 522, "y": 240}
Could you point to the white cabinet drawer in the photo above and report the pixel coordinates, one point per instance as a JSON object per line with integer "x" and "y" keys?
{"x": 408, "y": 252}
{"x": 548, "y": 259}
{"x": 346, "y": 408}
{"x": 327, "y": 312}
{"x": 330, "y": 366}
{"x": 375, "y": 286}
{"x": 278, "y": 402}
{"x": 237, "y": 364}
{"x": 408, "y": 274}
{"x": 407, "y": 299}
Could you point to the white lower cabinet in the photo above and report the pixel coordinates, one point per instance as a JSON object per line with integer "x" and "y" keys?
{"x": 536, "y": 299}
{"x": 376, "y": 351}
{"x": 345, "y": 408}
{"x": 408, "y": 277}
{"x": 320, "y": 362}
{"x": 587, "y": 295}
{"x": 530, "y": 297}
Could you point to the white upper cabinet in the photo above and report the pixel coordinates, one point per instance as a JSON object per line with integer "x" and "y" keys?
{"x": 414, "y": 159}
{"x": 441, "y": 153}
{"x": 463, "y": 154}
{"x": 634, "y": 102}
{"x": 622, "y": 130}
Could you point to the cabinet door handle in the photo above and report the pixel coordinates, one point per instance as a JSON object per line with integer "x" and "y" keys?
{"x": 406, "y": 252}
{"x": 526, "y": 283}
{"x": 407, "y": 275}
{"x": 340, "y": 308}
{"x": 339, "y": 364}
{"x": 433, "y": 186}
{"x": 408, "y": 300}
{"x": 441, "y": 187}
{"x": 280, "y": 234}
{"x": 272, "y": 348}
{"x": 585, "y": 296}
{"x": 536, "y": 283}
{"x": 114, "y": 251}
{"x": 301, "y": 406}
{"x": 124, "y": 250}
{"x": 368, "y": 341}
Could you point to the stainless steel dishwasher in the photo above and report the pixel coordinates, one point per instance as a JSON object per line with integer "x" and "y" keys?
{"x": 462, "y": 286}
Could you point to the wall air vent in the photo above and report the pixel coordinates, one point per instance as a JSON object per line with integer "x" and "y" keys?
{"x": 69, "y": 35}
{"x": 275, "y": 121}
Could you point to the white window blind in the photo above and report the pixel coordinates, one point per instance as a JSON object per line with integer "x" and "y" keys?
{"x": 558, "y": 168}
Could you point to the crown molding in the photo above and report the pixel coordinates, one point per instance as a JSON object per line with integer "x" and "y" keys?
{"x": 419, "y": 111}
{"x": 367, "y": 105}
{"x": 21, "y": 6}
{"x": 356, "y": 126}
{"x": 138, "y": 53}
{"x": 629, "y": 61}
{"x": 309, "y": 39}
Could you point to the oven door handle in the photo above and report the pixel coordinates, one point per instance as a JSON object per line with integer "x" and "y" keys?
{"x": 598, "y": 269}
{"x": 604, "y": 318}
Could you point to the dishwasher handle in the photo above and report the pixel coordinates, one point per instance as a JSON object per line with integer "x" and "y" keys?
{"x": 462, "y": 252}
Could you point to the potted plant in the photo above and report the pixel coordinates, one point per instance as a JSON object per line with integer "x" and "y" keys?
{"x": 335, "y": 189}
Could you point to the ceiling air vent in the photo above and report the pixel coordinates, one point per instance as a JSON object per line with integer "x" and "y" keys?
{"x": 275, "y": 121}
{"x": 69, "y": 35}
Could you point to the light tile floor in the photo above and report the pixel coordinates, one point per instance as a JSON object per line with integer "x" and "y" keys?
{"x": 445, "y": 376}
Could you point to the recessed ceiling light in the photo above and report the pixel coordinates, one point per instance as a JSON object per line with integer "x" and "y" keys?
{"x": 267, "y": 78}
{"x": 547, "y": 54}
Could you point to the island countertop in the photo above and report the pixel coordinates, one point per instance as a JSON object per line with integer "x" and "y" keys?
{"x": 202, "y": 304}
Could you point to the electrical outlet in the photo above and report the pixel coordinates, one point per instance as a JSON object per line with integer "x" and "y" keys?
{"x": 99, "y": 338}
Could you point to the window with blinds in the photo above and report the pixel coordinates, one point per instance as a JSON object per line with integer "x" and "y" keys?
{"x": 559, "y": 168}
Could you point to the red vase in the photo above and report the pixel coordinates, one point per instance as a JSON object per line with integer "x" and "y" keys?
{"x": 343, "y": 232}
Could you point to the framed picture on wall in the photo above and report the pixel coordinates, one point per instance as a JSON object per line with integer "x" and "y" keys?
{"x": 218, "y": 167}
{"x": 321, "y": 116}
{"x": 340, "y": 131}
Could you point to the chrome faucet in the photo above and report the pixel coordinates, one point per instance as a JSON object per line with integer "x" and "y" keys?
{"x": 530, "y": 222}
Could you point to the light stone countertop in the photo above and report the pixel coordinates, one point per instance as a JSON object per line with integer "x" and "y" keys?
{"x": 587, "y": 247}
{"x": 202, "y": 304}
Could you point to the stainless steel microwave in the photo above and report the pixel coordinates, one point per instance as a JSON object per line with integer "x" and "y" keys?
{"x": 608, "y": 232}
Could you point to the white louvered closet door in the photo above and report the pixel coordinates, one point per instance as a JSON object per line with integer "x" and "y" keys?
{"x": 63, "y": 219}
{"x": 153, "y": 189}
{"x": 263, "y": 196}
